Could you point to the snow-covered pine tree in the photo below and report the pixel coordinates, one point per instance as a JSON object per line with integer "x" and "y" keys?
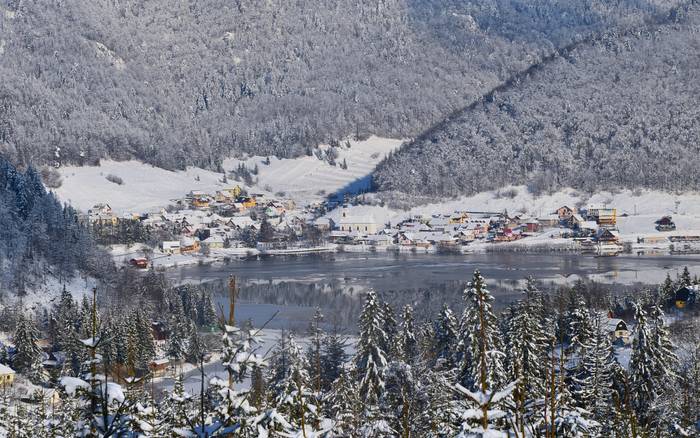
{"x": 176, "y": 346}
{"x": 145, "y": 338}
{"x": 176, "y": 407}
{"x": 27, "y": 359}
{"x": 405, "y": 399}
{"x": 645, "y": 376}
{"x": 294, "y": 396}
{"x": 439, "y": 417}
{"x": 667, "y": 291}
{"x": 315, "y": 351}
{"x": 481, "y": 364}
{"x": 685, "y": 278}
{"x": 592, "y": 388}
{"x": 194, "y": 345}
{"x": 206, "y": 311}
{"x": 409, "y": 351}
{"x": 333, "y": 358}
{"x": 391, "y": 331}
{"x": 85, "y": 318}
{"x": 370, "y": 357}
{"x": 444, "y": 349}
{"x": 346, "y": 406}
{"x": 527, "y": 342}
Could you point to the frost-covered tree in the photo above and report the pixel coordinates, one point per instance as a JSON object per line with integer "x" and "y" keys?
{"x": 652, "y": 362}
{"x": 444, "y": 347}
{"x": 28, "y": 355}
{"x": 408, "y": 347}
{"x": 370, "y": 357}
{"x": 482, "y": 359}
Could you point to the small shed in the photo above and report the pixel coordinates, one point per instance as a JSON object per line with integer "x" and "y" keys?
{"x": 7, "y": 376}
{"x": 159, "y": 367}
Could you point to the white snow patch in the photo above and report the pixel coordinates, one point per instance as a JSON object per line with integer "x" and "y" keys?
{"x": 71, "y": 385}
{"x": 308, "y": 179}
{"x": 104, "y": 52}
{"x": 3, "y": 43}
{"x": 145, "y": 187}
{"x": 49, "y": 291}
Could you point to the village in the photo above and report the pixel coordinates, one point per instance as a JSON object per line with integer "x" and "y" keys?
{"x": 230, "y": 223}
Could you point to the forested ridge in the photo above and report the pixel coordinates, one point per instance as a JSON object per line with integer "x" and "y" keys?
{"x": 178, "y": 83}
{"x": 615, "y": 110}
{"x": 39, "y": 236}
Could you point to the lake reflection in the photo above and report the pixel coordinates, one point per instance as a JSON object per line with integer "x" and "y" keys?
{"x": 294, "y": 286}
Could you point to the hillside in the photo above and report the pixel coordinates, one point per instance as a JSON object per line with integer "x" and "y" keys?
{"x": 40, "y": 239}
{"x": 619, "y": 111}
{"x": 189, "y": 83}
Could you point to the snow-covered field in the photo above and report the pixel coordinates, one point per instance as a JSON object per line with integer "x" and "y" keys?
{"x": 309, "y": 179}
{"x": 145, "y": 187}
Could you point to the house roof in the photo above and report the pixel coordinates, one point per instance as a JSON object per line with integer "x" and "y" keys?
{"x": 4, "y": 369}
{"x": 356, "y": 220}
{"x": 588, "y": 225}
{"x": 214, "y": 239}
{"x": 610, "y": 324}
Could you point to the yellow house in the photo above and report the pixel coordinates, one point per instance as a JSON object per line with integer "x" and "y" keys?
{"x": 7, "y": 376}
{"x": 189, "y": 245}
{"x": 200, "y": 202}
{"x": 249, "y": 202}
{"x": 224, "y": 196}
{"x": 233, "y": 191}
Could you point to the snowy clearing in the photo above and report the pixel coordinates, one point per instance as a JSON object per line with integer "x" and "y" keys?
{"x": 309, "y": 179}
{"x": 304, "y": 180}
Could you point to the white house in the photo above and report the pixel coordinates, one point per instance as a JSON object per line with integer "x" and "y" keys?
{"x": 360, "y": 224}
{"x": 7, "y": 376}
{"x": 170, "y": 246}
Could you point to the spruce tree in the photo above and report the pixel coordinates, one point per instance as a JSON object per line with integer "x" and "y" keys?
{"x": 444, "y": 348}
{"x": 370, "y": 357}
{"x": 481, "y": 365}
{"x": 315, "y": 351}
{"x": 28, "y": 356}
{"x": 333, "y": 358}
{"x": 407, "y": 343}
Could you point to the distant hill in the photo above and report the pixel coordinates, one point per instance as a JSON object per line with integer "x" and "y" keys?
{"x": 617, "y": 111}
{"x": 188, "y": 82}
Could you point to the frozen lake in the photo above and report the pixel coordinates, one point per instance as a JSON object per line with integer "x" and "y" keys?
{"x": 294, "y": 285}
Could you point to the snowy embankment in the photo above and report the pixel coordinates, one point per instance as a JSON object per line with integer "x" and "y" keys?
{"x": 144, "y": 188}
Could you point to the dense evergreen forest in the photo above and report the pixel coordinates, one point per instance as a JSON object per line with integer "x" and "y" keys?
{"x": 39, "y": 236}
{"x": 617, "y": 111}
{"x": 547, "y": 366}
{"x": 190, "y": 82}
